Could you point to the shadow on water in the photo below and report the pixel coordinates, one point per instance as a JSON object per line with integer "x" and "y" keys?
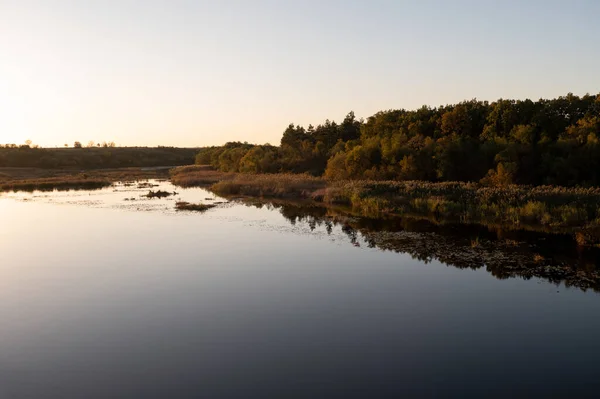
{"x": 504, "y": 253}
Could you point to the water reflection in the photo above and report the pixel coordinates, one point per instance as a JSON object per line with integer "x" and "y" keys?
{"x": 503, "y": 253}
{"x": 106, "y": 298}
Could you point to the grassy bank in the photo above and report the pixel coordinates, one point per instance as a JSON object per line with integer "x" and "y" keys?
{"x": 198, "y": 176}
{"x": 573, "y": 210}
{"x": 281, "y": 185}
{"x": 30, "y": 179}
{"x": 545, "y": 205}
{"x": 558, "y": 209}
{"x": 285, "y": 185}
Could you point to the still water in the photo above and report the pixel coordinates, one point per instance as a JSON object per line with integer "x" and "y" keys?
{"x": 102, "y": 297}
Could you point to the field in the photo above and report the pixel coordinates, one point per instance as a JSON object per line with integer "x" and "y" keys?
{"x": 95, "y": 157}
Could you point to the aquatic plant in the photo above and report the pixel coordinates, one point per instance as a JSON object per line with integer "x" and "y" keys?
{"x": 187, "y": 206}
{"x": 159, "y": 194}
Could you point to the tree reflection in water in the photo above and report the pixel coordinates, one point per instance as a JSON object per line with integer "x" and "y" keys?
{"x": 505, "y": 253}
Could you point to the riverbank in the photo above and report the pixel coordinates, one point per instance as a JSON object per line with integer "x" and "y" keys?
{"x": 30, "y": 179}
{"x": 548, "y": 208}
{"x": 504, "y": 250}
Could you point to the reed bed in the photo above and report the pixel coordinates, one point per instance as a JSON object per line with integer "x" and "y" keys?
{"x": 197, "y": 176}
{"x": 551, "y": 208}
{"x": 545, "y": 205}
{"x": 282, "y": 185}
{"x": 575, "y": 210}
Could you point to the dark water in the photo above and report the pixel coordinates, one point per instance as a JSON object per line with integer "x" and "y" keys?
{"x": 106, "y": 298}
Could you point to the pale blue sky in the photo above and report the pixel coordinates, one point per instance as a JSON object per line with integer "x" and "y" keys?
{"x": 194, "y": 73}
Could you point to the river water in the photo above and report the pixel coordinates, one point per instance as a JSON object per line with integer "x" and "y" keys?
{"x": 106, "y": 294}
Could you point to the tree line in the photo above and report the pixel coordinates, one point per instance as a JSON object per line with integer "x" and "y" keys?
{"x": 553, "y": 142}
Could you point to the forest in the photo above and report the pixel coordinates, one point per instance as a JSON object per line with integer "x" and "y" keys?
{"x": 543, "y": 142}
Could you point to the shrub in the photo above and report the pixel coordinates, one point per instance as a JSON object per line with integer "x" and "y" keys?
{"x": 533, "y": 211}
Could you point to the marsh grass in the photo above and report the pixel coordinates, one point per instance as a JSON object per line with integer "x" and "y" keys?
{"x": 543, "y": 205}
{"x": 197, "y": 176}
{"x": 549, "y": 207}
{"x": 282, "y": 185}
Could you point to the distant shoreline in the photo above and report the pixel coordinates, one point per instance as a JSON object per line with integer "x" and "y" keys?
{"x": 30, "y": 179}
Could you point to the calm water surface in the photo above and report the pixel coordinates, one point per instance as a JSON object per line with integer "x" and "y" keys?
{"x": 106, "y": 298}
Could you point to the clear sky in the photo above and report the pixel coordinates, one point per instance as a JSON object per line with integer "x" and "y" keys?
{"x": 195, "y": 73}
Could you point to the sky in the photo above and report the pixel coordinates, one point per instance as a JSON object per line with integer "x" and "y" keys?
{"x": 198, "y": 73}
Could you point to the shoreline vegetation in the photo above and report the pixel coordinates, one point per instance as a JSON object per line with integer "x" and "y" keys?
{"x": 548, "y": 209}
{"x": 188, "y": 206}
{"x": 543, "y": 208}
{"x": 30, "y": 179}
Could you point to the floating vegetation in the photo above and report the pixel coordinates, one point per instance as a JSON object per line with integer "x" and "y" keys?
{"x": 159, "y": 194}
{"x": 146, "y": 185}
{"x": 187, "y": 206}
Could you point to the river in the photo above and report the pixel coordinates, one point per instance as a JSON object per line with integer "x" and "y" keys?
{"x": 108, "y": 294}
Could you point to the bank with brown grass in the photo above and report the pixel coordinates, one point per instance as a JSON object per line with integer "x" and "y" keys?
{"x": 572, "y": 210}
{"x": 30, "y": 179}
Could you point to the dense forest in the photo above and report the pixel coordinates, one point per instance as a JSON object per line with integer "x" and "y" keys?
{"x": 93, "y": 157}
{"x": 552, "y": 142}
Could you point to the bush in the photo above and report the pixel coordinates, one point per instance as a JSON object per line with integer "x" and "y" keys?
{"x": 533, "y": 211}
